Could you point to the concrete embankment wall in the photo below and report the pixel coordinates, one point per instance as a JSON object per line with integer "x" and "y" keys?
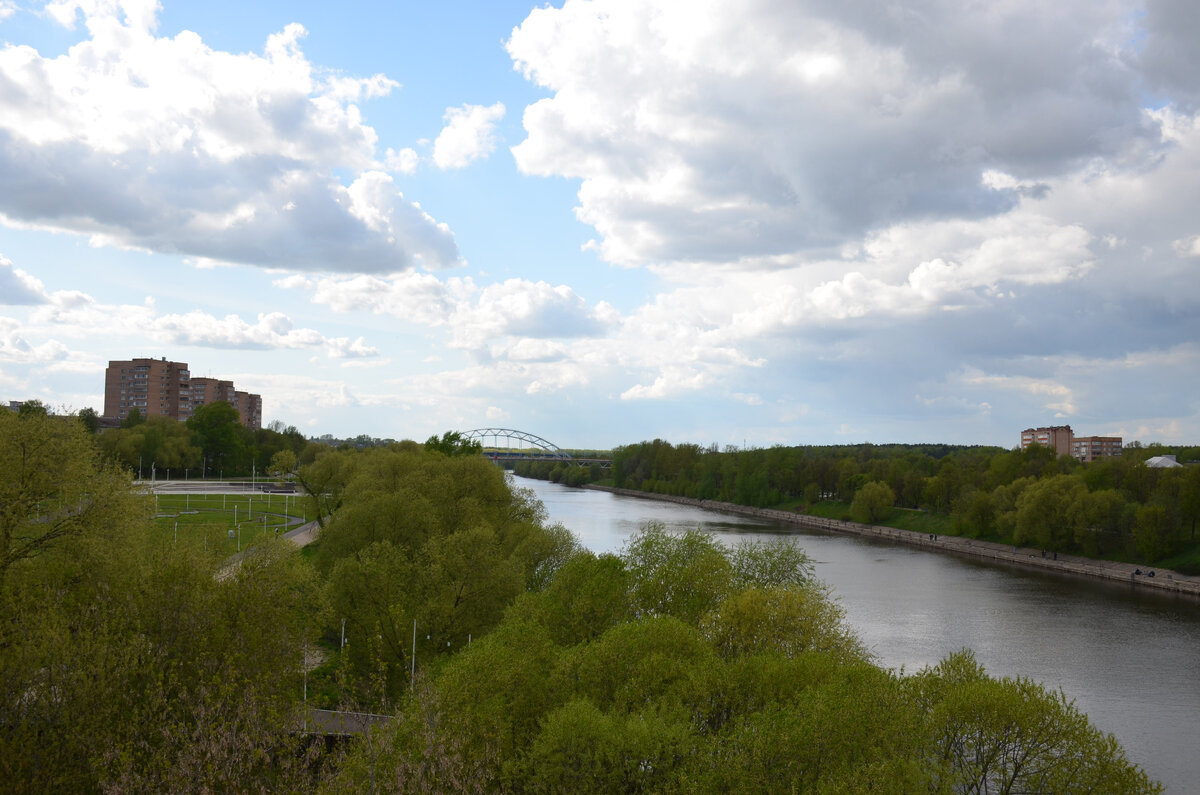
{"x": 1140, "y": 576}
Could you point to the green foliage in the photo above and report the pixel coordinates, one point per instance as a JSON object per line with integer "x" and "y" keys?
{"x": 158, "y": 444}
{"x": 218, "y": 432}
{"x": 453, "y": 443}
{"x": 52, "y": 487}
{"x": 605, "y": 681}
{"x": 872, "y": 502}
{"x": 89, "y": 419}
{"x": 676, "y": 575}
{"x": 132, "y": 663}
{"x": 33, "y": 408}
{"x": 973, "y": 491}
{"x": 1013, "y": 735}
{"x": 283, "y": 463}
{"x": 1048, "y": 512}
{"x": 419, "y": 536}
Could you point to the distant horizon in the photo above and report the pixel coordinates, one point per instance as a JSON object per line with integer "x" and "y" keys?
{"x": 605, "y": 220}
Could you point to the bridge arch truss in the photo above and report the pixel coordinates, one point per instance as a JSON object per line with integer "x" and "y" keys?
{"x": 538, "y": 447}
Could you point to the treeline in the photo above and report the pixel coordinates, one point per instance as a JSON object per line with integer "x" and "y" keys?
{"x": 211, "y": 443}
{"x": 508, "y": 658}
{"x": 1113, "y": 507}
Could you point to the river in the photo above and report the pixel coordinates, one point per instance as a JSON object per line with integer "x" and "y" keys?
{"x": 1130, "y": 660}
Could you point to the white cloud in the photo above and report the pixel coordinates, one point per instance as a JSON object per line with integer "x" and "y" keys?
{"x": 166, "y": 145}
{"x": 523, "y": 309}
{"x": 7, "y": 9}
{"x": 469, "y": 135}
{"x": 806, "y": 126}
{"x": 77, "y": 315}
{"x": 18, "y": 287}
{"x": 345, "y": 348}
{"x": 404, "y": 161}
{"x": 1057, "y": 397}
{"x": 1188, "y": 248}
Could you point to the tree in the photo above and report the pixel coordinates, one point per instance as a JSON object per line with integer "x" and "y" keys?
{"x": 1154, "y": 533}
{"x": 683, "y": 575}
{"x": 53, "y": 486}
{"x": 33, "y": 408}
{"x": 89, "y": 419}
{"x": 158, "y": 442}
{"x": 283, "y": 463}
{"x": 216, "y": 427}
{"x": 1013, "y": 735}
{"x": 133, "y": 419}
{"x": 872, "y": 502}
{"x": 787, "y": 621}
{"x": 1048, "y": 511}
{"x": 453, "y": 443}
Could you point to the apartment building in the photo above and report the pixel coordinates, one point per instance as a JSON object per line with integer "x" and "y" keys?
{"x": 1091, "y": 448}
{"x": 1056, "y": 437}
{"x": 249, "y": 408}
{"x": 157, "y": 387}
{"x": 1062, "y": 440}
{"x": 210, "y": 390}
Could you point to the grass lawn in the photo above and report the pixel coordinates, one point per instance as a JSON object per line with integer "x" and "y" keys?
{"x": 208, "y": 519}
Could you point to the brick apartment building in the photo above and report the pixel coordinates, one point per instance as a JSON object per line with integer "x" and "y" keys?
{"x": 1062, "y": 440}
{"x": 1091, "y": 448}
{"x": 157, "y": 387}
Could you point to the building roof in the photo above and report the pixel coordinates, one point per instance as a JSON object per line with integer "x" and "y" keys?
{"x": 1163, "y": 462}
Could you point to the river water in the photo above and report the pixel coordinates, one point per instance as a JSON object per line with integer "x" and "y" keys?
{"x": 1130, "y": 660}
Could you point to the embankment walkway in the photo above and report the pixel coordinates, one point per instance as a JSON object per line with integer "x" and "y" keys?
{"x": 1139, "y": 576}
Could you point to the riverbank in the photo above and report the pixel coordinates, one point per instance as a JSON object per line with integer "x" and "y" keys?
{"x": 1139, "y": 576}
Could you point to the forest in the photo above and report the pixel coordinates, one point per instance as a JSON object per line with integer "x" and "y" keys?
{"x": 502, "y": 656}
{"x": 1114, "y": 508}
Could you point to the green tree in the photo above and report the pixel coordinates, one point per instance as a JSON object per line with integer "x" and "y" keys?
{"x": 33, "y": 408}
{"x": 453, "y": 443}
{"x": 216, "y": 427}
{"x": 1013, "y": 735}
{"x": 683, "y": 575}
{"x": 872, "y": 502}
{"x": 53, "y": 487}
{"x": 90, "y": 419}
{"x": 128, "y": 665}
{"x": 1048, "y": 513}
{"x": 787, "y": 621}
{"x": 283, "y": 463}
{"x": 1154, "y": 533}
{"x": 133, "y": 419}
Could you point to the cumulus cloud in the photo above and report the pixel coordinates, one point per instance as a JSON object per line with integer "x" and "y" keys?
{"x": 513, "y": 310}
{"x": 18, "y": 287}
{"x": 166, "y": 145}
{"x": 469, "y": 135}
{"x": 805, "y": 126}
{"x": 7, "y": 9}
{"x": 77, "y": 315}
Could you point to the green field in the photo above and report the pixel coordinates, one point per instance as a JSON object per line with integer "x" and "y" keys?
{"x": 208, "y": 519}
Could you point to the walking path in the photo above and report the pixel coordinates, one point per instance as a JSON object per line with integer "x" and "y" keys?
{"x": 1140, "y": 576}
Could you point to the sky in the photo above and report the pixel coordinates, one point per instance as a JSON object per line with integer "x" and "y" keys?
{"x": 814, "y": 222}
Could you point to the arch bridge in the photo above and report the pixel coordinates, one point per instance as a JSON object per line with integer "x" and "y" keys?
{"x": 507, "y": 444}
